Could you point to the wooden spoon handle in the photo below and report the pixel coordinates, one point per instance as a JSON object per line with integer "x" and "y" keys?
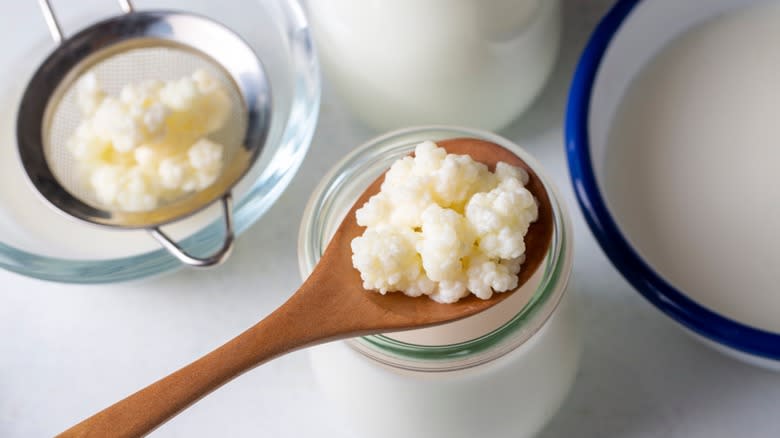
{"x": 142, "y": 412}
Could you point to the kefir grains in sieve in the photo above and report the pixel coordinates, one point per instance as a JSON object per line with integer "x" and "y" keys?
{"x": 149, "y": 145}
{"x": 444, "y": 225}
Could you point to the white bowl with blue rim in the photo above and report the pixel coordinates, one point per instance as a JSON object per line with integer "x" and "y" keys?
{"x": 626, "y": 39}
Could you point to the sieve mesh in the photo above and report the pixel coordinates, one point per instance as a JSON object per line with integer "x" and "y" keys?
{"x": 114, "y": 71}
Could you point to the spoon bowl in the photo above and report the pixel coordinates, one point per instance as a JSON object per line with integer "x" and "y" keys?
{"x": 331, "y": 304}
{"x": 419, "y": 313}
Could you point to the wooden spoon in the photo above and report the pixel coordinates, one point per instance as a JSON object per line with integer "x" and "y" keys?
{"x": 331, "y": 304}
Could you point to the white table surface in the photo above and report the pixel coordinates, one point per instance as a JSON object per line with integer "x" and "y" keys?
{"x": 67, "y": 351}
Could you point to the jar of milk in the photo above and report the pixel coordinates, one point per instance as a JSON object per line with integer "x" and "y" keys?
{"x": 501, "y": 373}
{"x": 463, "y": 62}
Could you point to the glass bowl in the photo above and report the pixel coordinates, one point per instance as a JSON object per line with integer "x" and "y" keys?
{"x": 38, "y": 241}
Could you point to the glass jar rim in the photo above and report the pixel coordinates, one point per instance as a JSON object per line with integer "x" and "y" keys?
{"x": 319, "y": 215}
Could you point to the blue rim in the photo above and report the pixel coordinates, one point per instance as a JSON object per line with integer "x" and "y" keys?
{"x": 654, "y": 288}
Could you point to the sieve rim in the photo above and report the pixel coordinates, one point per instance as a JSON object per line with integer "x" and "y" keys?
{"x": 163, "y": 28}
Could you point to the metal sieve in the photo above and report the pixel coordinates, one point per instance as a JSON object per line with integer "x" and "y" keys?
{"x": 129, "y": 48}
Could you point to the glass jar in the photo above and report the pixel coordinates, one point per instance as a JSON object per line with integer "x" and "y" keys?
{"x": 498, "y": 377}
{"x": 464, "y": 62}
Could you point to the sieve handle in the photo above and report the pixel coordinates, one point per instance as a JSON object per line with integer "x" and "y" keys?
{"x": 212, "y": 260}
{"x": 54, "y": 25}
